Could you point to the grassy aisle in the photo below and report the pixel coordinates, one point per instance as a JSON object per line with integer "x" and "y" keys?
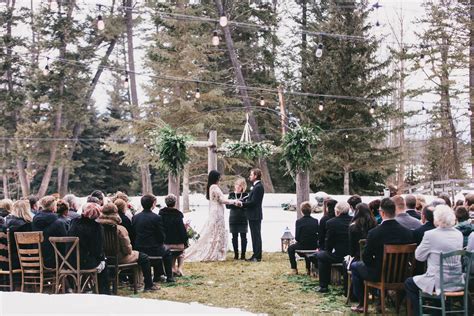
{"x": 257, "y": 287}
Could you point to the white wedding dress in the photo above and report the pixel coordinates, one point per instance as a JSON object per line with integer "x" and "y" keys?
{"x": 212, "y": 243}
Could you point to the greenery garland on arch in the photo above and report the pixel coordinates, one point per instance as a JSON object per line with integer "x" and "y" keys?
{"x": 171, "y": 148}
{"x": 249, "y": 150}
{"x": 296, "y": 149}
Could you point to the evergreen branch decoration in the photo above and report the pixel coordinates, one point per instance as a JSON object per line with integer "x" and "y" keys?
{"x": 297, "y": 148}
{"x": 171, "y": 148}
{"x": 249, "y": 150}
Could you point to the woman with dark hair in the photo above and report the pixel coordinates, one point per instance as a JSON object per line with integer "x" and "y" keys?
{"x": 329, "y": 212}
{"x": 212, "y": 245}
{"x": 374, "y": 208}
{"x": 362, "y": 222}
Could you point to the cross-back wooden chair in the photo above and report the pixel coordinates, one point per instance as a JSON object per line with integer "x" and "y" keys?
{"x": 362, "y": 243}
{"x": 397, "y": 265}
{"x": 7, "y": 271}
{"x": 34, "y": 273}
{"x": 112, "y": 248}
{"x": 68, "y": 265}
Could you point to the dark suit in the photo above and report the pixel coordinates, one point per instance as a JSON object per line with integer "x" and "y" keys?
{"x": 414, "y": 213}
{"x": 336, "y": 245}
{"x": 306, "y": 237}
{"x": 370, "y": 268}
{"x": 253, "y": 211}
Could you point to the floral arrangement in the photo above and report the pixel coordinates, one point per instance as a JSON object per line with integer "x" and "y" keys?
{"x": 191, "y": 232}
{"x": 248, "y": 150}
{"x": 297, "y": 148}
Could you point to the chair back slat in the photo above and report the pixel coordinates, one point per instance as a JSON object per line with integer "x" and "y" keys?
{"x": 64, "y": 248}
{"x": 29, "y": 251}
{"x": 398, "y": 263}
{"x": 451, "y": 270}
{"x": 111, "y": 243}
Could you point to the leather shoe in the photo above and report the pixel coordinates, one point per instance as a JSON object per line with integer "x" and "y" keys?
{"x": 321, "y": 289}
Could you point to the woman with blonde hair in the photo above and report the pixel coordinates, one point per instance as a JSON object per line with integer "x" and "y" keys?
{"x": 5, "y": 209}
{"x": 237, "y": 219}
{"x": 20, "y": 215}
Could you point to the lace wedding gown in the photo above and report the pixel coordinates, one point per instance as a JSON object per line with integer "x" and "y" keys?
{"x": 212, "y": 245}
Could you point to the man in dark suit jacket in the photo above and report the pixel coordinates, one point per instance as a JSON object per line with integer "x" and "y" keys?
{"x": 150, "y": 237}
{"x": 337, "y": 245}
{"x": 306, "y": 235}
{"x": 253, "y": 211}
{"x": 410, "y": 202}
{"x": 370, "y": 268}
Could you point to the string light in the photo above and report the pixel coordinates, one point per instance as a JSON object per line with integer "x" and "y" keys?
{"x": 372, "y": 109}
{"x": 53, "y": 5}
{"x": 321, "y": 106}
{"x": 319, "y": 50}
{"x": 223, "y": 20}
{"x": 347, "y": 136}
{"x": 198, "y": 93}
{"x": 215, "y": 39}
{"x": 100, "y": 23}
{"x": 376, "y": 6}
{"x": 46, "y": 68}
{"x": 262, "y": 101}
{"x": 125, "y": 81}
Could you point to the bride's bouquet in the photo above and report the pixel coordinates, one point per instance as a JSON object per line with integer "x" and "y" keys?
{"x": 191, "y": 232}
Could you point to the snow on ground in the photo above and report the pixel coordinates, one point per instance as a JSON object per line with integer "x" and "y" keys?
{"x": 18, "y": 304}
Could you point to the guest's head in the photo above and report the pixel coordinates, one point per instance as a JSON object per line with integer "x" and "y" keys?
{"x": 240, "y": 185}
{"x": 459, "y": 203}
{"x": 71, "y": 200}
{"x": 148, "y": 201}
{"x": 255, "y": 174}
{"x": 91, "y": 211}
{"x": 399, "y": 202}
{"x": 353, "y": 201}
{"x": 462, "y": 214}
{"x": 446, "y": 198}
{"x": 21, "y": 209}
{"x": 306, "y": 208}
{"x": 374, "y": 207}
{"x": 444, "y": 216}
{"x": 330, "y": 208}
{"x": 387, "y": 208}
{"x": 62, "y": 208}
{"x": 33, "y": 200}
{"x": 410, "y": 201}
{"x": 48, "y": 203}
{"x": 427, "y": 214}
{"x": 469, "y": 199}
{"x": 122, "y": 206}
{"x": 213, "y": 178}
{"x": 93, "y": 199}
{"x": 363, "y": 218}
{"x": 420, "y": 202}
{"x": 6, "y": 205}
{"x": 393, "y": 190}
{"x": 120, "y": 195}
{"x": 437, "y": 202}
{"x": 342, "y": 208}
{"x": 170, "y": 200}
{"x": 109, "y": 213}
{"x": 99, "y": 195}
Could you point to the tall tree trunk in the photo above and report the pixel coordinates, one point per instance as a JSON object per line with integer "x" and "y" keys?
{"x": 6, "y": 194}
{"x": 266, "y": 179}
{"x": 23, "y": 177}
{"x": 302, "y": 190}
{"x": 145, "y": 168}
{"x": 471, "y": 81}
{"x": 347, "y": 173}
{"x": 59, "y": 111}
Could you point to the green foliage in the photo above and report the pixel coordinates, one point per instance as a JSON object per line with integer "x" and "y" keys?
{"x": 297, "y": 148}
{"x": 249, "y": 150}
{"x": 171, "y": 148}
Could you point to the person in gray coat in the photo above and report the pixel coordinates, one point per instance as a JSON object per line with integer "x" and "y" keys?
{"x": 443, "y": 239}
{"x": 402, "y": 217}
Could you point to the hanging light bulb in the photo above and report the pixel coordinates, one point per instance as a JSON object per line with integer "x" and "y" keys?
{"x": 319, "y": 50}
{"x": 372, "y": 109}
{"x": 223, "y": 20}
{"x": 215, "y": 39}
{"x": 198, "y": 93}
{"x": 262, "y": 101}
{"x": 423, "y": 106}
{"x": 347, "y": 136}
{"x": 469, "y": 112}
{"x": 125, "y": 81}
{"x": 53, "y": 5}
{"x": 46, "y": 68}
{"x": 65, "y": 146}
{"x": 321, "y": 106}
{"x": 100, "y": 23}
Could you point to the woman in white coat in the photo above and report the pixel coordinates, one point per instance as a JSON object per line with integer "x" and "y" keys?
{"x": 443, "y": 239}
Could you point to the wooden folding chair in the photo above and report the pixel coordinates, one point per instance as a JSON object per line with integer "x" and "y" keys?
{"x": 112, "y": 248}
{"x": 7, "y": 271}
{"x": 362, "y": 243}
{"x": 66, "y": 268}
{"x": 397, "y": 265}
{"x": 34, "y": 272}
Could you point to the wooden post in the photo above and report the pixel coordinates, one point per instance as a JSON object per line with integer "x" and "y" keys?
{"x": 432, "y": 187}
{"x": 302, "y": 190}
{"x": 212, "y": 152}
{"x": 173, "y": 187}
{"x": 453, "y": 192}
{"x": 186, "y": 188}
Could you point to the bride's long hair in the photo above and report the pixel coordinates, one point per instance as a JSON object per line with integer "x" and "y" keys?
{"x": 213, "y": 178}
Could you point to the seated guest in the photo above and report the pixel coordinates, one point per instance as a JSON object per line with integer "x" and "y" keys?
{"x": 427, "y": 220}
{"x": 5, "y": 209}
{"x": 410, "y": 201}
{"x": 99, "y": 195}
{"x": 130, "y": 209}
{"x": 402, "y": 217}
{"x": 62, "y": 209}
{"x": 91, "y": 243}
{"x": 337, "y": 245}
{"x": 353, "y": 201}
{"x": 370, "y": 267}
{"x": 306, "y": 235}
{"x": 374, "y": 208}
{"x": 420, "y": 202}
{"x": 122, "y": 208}
{"x": 175, "y": 232}
{"x": 93, "y": 199}
{"x": 459, "y": 203}
{"x": 362, "y": 223}
{"x": 20, "y": 218}
{"x": 47, "y": 222}
{"x": 34, "y": 206}
{"x": 238, "y": 223}
{"x": 109, "y": 216}
{"x": 446, "y": 198}
{"x": 150, "y": 236}
{"x": 469, "y": 199}
{"x": 329, "y": 212}
{"x": 464, "y": 223}
{"x": 444, "y": 238}
{"x": 71, "y": 200}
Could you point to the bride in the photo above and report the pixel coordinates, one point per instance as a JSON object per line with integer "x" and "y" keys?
{"x": 212, "y": 245}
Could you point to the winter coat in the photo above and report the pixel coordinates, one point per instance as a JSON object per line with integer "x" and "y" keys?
{"x": 91, "y": 241}
{"x": 127, "y": 254}
{"x": 48, "y": 223}
{"x": 148, "y": 230}
{"x": 174, "y": 227}
{"x": 466, "y": 228}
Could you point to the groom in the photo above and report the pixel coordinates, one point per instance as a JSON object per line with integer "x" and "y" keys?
{"x": 253, "y": 211}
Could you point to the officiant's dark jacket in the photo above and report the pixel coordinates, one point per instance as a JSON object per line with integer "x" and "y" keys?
{"x": 253, "y": 204}
{"x": 337, "y": 235}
